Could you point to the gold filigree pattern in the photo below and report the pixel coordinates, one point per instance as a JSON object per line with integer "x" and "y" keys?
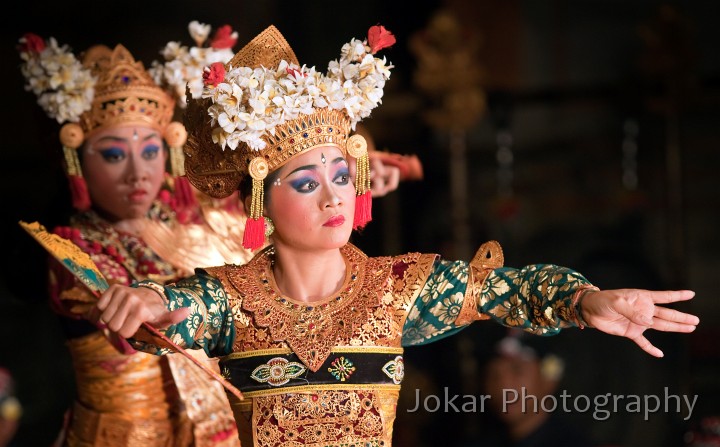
{"x": 410, "y": 273}
{"x": 322, "y": 418}
{"x": 487, "y": 258}
{"x": 325, "y": 127}
{"x": 215, "y": 172}
{"x": 380, "y": 326}
{"x": 207, "y": 410}
{"x": 336, "y": 414}
{"x": 312, "y": 331}
{"x": 124, "y": 93}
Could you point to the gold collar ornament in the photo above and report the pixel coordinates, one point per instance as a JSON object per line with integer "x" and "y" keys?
{"x": 264, "y": 109}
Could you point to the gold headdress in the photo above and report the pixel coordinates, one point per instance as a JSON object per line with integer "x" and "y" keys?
{"x": 266, "y": 109}
{"x": 107, "y": 89}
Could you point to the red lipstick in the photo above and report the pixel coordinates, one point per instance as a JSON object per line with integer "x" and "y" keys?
{"x": 137, "y": 195}
{"x": 335, "y": 221}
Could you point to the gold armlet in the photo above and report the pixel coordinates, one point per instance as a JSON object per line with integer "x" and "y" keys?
{"x": 488, "y": 257}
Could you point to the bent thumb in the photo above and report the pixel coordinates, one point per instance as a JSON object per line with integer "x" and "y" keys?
{"x": 171, "y": 318}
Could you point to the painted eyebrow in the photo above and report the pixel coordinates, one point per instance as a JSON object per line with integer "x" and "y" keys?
{"x": 302, "y": 168}
{"x": 150, "y": 137}
{"x": 312, "y": 167}
{"x": 125, "y": 140}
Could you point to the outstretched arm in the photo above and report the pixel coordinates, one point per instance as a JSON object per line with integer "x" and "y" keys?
{"x": 630, "y": 312}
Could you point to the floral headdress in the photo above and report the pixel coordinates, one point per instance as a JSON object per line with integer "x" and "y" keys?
{"x": 265, "y": 109}
{"x": 182, "y": 69}
{"x": 182, "y": 73}
{"x": 107, "y": 88}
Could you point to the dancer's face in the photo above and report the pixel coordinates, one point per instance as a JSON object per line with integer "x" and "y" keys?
{"x": 313, "y": 205}
{"x": 124, "y": 168}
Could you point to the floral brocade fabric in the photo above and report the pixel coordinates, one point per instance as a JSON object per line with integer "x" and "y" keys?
{"x": 384, "y": 304}
{"x": 122, "y": 257}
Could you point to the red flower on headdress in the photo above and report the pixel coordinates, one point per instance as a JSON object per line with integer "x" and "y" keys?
{"x": 32, "y": 43}
{"x": 379, "y": 38}
{"x": 214, "y": 74}
{"x": 224, "y": 38}
{"x": 294, "y": 72}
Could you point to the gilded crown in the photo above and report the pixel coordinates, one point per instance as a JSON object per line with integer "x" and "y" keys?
{"x": 263, "y": 105}
{"x": 108, "y": 88}
{"x": 210, "y": 169}
{"x": 124, "y": 92}
{"x": 265, "y": 109}
{"x": 324, "y": 127}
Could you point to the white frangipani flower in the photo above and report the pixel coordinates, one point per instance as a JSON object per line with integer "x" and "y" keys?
{"x": 199, "y": 32}
{"x": 65, "y": 89}
{"x": 183, "y": 66}
{"x": 263, "y": 98}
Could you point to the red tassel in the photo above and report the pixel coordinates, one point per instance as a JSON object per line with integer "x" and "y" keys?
{"x": 184, "y": 194}
{"x": 363, "y": 210}
{"x": 254, "y": 236}
{"x": 79, "y": 193}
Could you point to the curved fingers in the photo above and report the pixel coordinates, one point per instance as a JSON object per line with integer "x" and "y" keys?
{"x": 648, "y": 347}
{"x": 676, "y": 316}
{"x": 392, "y": 179}
{"x": 660, "y": 324}
{"x": 117, "y": 321}
{"x": 130, "y": 327}
{"x": 670, "y": 296}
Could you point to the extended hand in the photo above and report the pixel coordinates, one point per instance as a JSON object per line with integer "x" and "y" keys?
{"x": 630, "y": 312}
{"x": 124, "y": 309}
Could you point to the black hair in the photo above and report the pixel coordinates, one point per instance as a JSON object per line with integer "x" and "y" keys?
{"x": 245, "y": 187}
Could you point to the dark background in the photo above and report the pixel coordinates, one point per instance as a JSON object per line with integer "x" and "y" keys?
{"x": 576, "y": 84}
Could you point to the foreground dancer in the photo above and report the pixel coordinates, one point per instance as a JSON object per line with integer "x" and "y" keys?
{"x": 311, "y": 329}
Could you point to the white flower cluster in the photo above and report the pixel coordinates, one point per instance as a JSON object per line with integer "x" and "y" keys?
{"x": 249, "y": 103}
{"x": 184, "y": 65}
{"x": 64, "y": 88}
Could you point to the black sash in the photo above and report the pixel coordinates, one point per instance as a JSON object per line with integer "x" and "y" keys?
{"x": 277, "y": 371}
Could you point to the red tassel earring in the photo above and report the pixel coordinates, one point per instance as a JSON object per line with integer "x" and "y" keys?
{"x": 185, "y": 201}
{"x": 254, "y": 235}
{"x": 71, "y": 137}
{"x": 357, "y": 148}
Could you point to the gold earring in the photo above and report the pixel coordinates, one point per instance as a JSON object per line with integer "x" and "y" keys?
{"x": 269, "y": 227}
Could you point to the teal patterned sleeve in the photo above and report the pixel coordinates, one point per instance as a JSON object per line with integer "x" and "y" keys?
{"x": 537, "y": 298}
{"x": 435, "y": 311}
{"x": 210, "y": 323}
